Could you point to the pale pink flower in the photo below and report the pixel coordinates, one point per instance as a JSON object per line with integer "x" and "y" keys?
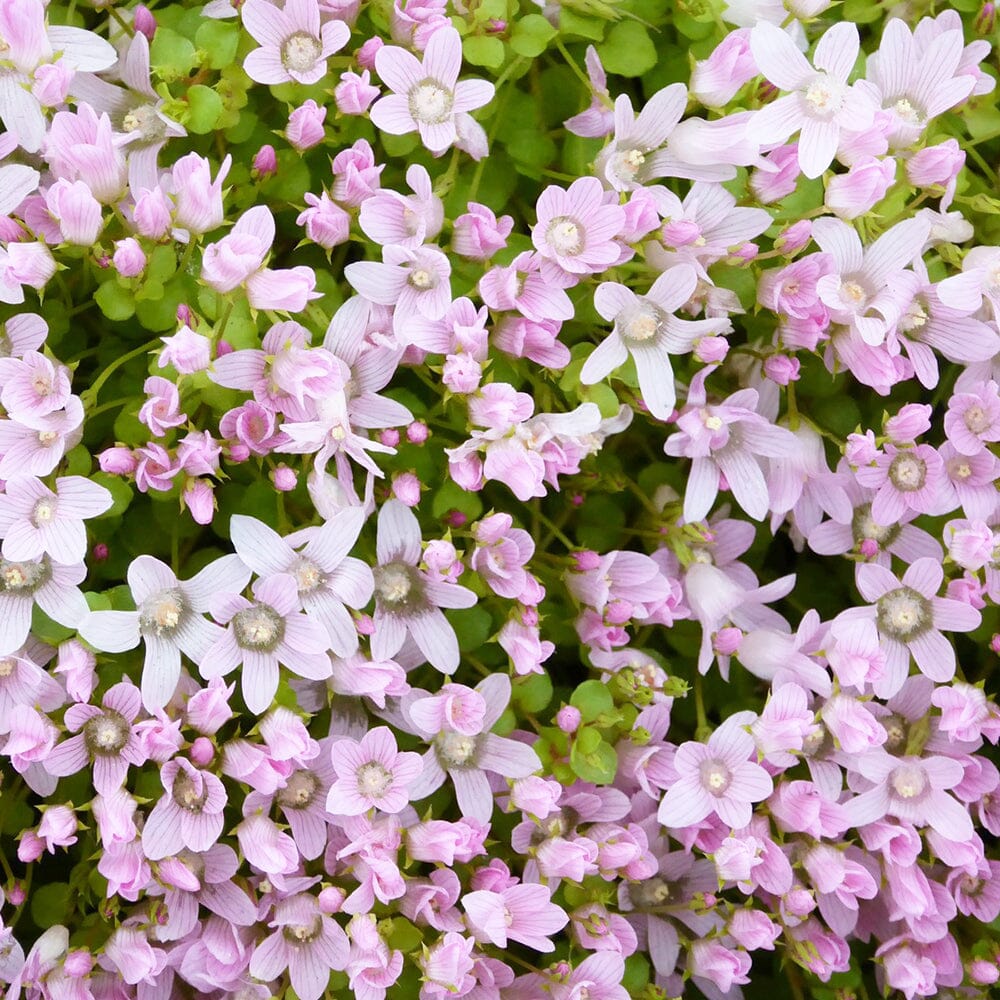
{"x": 188, "y": 815}
{"x": 522, "y": 913}
{"x": 294, "y": 46}
{"x": 372, "y": 774}
{"x": 426, "y": 96}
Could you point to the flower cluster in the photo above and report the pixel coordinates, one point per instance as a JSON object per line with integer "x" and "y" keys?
{"x": 482, "y": 518}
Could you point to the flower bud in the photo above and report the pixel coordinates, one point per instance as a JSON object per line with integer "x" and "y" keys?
{"x": 284, "y": 479}
{"x": 305, "y": 126}
{"x": 568, "y": 718}
{"x": 265, "y": 162}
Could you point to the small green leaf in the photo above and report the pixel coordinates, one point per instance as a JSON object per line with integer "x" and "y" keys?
{"x": 599, "y": 766}
{"x": 531, "y": 35}
{"x": 171, "y": 54}
{"x": 532, "y": 693}
{"x": 204, "y": 109}
{"x": 628, "y": 51}
{"x": 472, "y": 626}
{"x": 121, "y": 493}
{"x": 451, "y": 496}
{"x": 117, "y": 303}
{"x": 49, "y": 904}
{"x": 219, "y": 40}
{"x": 483, "y": 50}
{"x": 592, "y": 698}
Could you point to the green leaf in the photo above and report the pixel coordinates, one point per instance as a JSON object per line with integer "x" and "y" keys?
{"x": 592, "y": 698}
{"x": 532, "y": 693}
{"x": 628, "y": 51}
{"x": 472, "y": 626}
{"x": 117, "y": 303}
{"x": 121, "y": 494}
{"x": 171, "y": 54}
{"x": 204, "y": 109}
{"x": 598, "y": 766}
{"x": 531, "y": 35}
{"x": 451, "y": 496}
{"x": 483, "y": 50}
{"x": 50, "y": 903}
{"x": 219, "y": 40}
{"x": 402, "y": 935}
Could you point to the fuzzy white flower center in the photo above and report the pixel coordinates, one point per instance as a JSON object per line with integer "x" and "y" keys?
{"x": 960, "y": 469}
{"x": 299, "y": 934}
{"x": 908, "y": 781}
{"x": 455, "y": 749}
{"x": 906, "y": 111}
{"x": 715, "y": 776}
{"x": 855, "y": 293}
{"x": 257, "y": 627}
{"x": 145, "y": 120}
{"x": 430, "y": 102}
{"x": 299, "y": 791}
{"x": 422, "y": 278}
{"x": 641, "y": 326}
{"x": 161, "y": 612}
{"x": 42, "y": 384}
{"x": 308, "y": 576}
{"x": 46, "y": 438}
{"x": 864, "y": 527}
{"x": 711, "y": 421}
{"x": 914, "y": 318}
{"x": 106, "y": 734}
{"x": 7, "y": 666}
{"x": 185, "y": 793}
{"x": 44, "y": 512}
{"x": 21, "y": 576}
{"x": 300, "y": 52}
{"x": 393, "y": 583}
{"x": 824, "y": 97}
{"x": 373, "y": 780}
{"x": 903, "y": 613}
{"x": 565, "y": 236}
{"x": 976, "y": 419}
{"x": 908, "y": 473}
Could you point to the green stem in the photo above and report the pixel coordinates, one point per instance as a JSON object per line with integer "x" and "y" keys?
{"x": 564, "y": 52}
{"x": 556, "y": 532}
{"x": 703, "y": 728}
{"x": 89, "y": 397}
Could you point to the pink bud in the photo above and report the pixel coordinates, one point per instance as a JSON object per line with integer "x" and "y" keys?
{"x": 185, "y": 317}
{"x": 782, "y": 369}
{"x": 285, "y": 479}
{"x": 30, "y": 847}
{"x": 222, "y": 348}
{"x": 995, "y": 643}
{"x": 794, "y": 238}
{"x": 711, "y": 350}
{"x": 773, "y": 186}
{"x": 118, "y": 461}
{"x": 364, "y": 625}
{"x": 986, "y": 22}
{"x": 99, "y": 552}
{"x": 982, "y": 972}
{"x": 568, "y": 718}
{"x": 366, "y": 54}
{"x": 265, "y": 162}
{"x": 305, "y": 126}
{"x": 354, "y": 94}
{"x": 331, "y": 899}
{"x": 868, "y": 548}
{"x": 78, "y": 964}
{"x": 144, "y": 21}
{"x": 199, "y": 500}
{"x": 202, "y": 751}
{"x": 909, "y": 423}
{"x": 16, "y": 895}
{"x": 861, "y": 188}
{"x": 455, "y": 519}
{"x": 417, "y": 432}
{"x": 727, "y": 640}
{"x": 478, "y": 233}
{"x": 406, "y": 487}
{"x": 389, "y": 437}
{"x": 586, "y": 560}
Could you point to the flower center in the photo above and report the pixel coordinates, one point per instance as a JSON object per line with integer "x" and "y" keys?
{"x": 300, "y": 790}
{"x": 824, "y": 97}
{"x": 908, "y": 781}
{"x": 46, "y": 438}
{"x": 42, "y": 384}
{"x": 144, "y": 120}
{"x": 394, "y": 584}
{"x": 455, "y": 749}
{"x": 185, "y": 793}
{"x": 22, "y": 577}
{"x": 641, "y": 326}
{"x": 711, "y": 421}
{"x": 7, "y": 666}
{"x": 903, "y": 613}
{"x": 976, "y": 419}
{"x": 299, "y": 934}
{"x": 106, "y": 734}
{"x": 715, "y": 777}
{"x": 652, "y": 892}
{"x": 44, "y": 512}
{"x": 258, "y": 627}
{"x": 863, "y": 527}
{"x": 855, "y": 293}
{"x": 422, "y": 279}
{"x": 914, "y": 318}
{"x": 908, "y": 112}
{"x": 960, "y": 469}
{"x": 895, "y": 729}
{"x": 908, "y": 473}
{"x": 430, "y": 102}
{"x": 308, "y": 576}
{"x": 300, "y": 52}
{"x": 161, "y": 612}
{"x": 565, "y": 236}
{"x": 373, "y": 780}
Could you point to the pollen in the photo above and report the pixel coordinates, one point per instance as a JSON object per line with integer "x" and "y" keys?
{"x": 44, "y": 512}
{"x": 455, "y": 749}
{"x": 903, "y": 613}
{"x": 908, "y": 473}
{"x": 908, "y": 781}
{"x": 373, "y": 780}
{"x": 422, "y": 279}
{"x": 715, "y": 776}
{"x": 258, "y": 627}
{"x": 162, "y": 612}
{"x": 430, "y": 102}
{"x": 565, "y": 236}
{"x": 300, "y": 52}
{"x": 393, "y": 584}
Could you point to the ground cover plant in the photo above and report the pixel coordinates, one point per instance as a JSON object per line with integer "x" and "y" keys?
{"x": 499, "y": 500}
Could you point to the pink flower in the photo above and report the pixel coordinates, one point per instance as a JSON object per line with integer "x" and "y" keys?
{"x": 906, "y": 479}
{"x": 305, "y": 126}
{"x": 188, "y": 815}
{"x": 426, "y": 97}
{"x": 575, "y": 232}
{"x": 306, "y": 942}
{"x": 372, "y": 774}
{"x": 822, "y": 102}
{"x": 408, "y": 600}
{"x": 263, "y": 633}
{"x": 856, "y": 192}
{"x": 293, "y": 44}
{"x": 414, "y": 281}
{"x": 522, "y": 913}
{"x": 447, "y": 966}
{"x": 718, "y": 777}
